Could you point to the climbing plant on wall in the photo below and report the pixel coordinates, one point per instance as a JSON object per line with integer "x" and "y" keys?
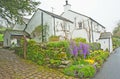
{"x": 41, "y": 32}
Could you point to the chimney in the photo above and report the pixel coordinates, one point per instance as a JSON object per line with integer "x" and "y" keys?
{"x": 67, "y": 6}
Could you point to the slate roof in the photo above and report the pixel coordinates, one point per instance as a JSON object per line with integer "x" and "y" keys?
{"x": 17, "y": 33}
{"x": 26, "y": 20}
{"x": 56, "y": 16}
{"x": 23, "y": 26}
{"x": 105, "y": 35}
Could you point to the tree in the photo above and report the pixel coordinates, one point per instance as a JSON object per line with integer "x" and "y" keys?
{"x": 116, "y": 31}
{"x": 14, "y": 10}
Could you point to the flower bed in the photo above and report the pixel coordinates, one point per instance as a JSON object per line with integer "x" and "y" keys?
{"x": 74, "y": 58}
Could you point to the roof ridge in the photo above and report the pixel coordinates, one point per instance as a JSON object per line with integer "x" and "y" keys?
{"x": 55, "y": 15}
{"x": 87, "y": 17}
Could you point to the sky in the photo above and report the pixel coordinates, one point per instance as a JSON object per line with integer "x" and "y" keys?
{"x": 106, "y": 12}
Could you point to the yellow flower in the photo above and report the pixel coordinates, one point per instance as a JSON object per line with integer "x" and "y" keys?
{"x": 90, "y": 61}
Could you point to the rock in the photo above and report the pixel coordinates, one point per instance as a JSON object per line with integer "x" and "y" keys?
{"x": 62, "y": 66}
{"x": 65, "y": 62}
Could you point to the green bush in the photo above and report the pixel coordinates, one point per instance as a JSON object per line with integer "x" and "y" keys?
{"x": 54, "y": 38}
{"x": 95, "y": 46}
{"x": 55, "y": 48}
{"x": 55, "y": 63}
{"x": 35, "y": 53}
{"x": 87, "y": 71}
{"x": 40, "y": 52}
{"x": 99, "y": 56}
{"x": 81, "y": 62}
{"x": 116, "y": 42}
{"x": 80, "y": 71}
{"x": 78, "y": 40}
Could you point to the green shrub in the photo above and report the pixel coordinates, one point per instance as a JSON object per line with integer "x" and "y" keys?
{"x": 58, "y": 44}
{"x": 81, "y": 62}
{"x": 99, "y": 56}
{"x": 55, "y": 63}
{"x": 54, "y": 38}
{"x": 1, "y": 37}
{"x": 95, "y": 46}
{"x": 87, "y": 71}
{"x": 116, "y": 42}
{"x": 78, "y": 40}
{"x": 80, "y": 71}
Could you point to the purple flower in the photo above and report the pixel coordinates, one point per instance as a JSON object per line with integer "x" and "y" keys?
{"x": 84, "y": 49}
{"x": 73, "y": 49}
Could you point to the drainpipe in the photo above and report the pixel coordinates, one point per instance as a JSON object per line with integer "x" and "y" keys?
{"x": 42, "y": 25}
{"x": 54, "y": 25}
{"x": 92, "y": 32}
{"x": 109, "y": 44}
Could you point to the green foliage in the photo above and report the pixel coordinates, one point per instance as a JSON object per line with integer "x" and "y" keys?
{"x": 87, "y": 71}
{"x": 81, "y": 62}
{"x": 78, "y": 40}
{"x": 1, "y": 37}
{"x": 58, "y": 44}
{"x": 116, "y": 31}
{"x": 38, "y": 30}
{"x": 116, "y": 42}
{"x": 14, "y": 10}
{"x": 95, "y": 46}
{"x": 80, "y": 71}
{"x": 40, "y": 52}
{"x": 54, "y": 38}
{"x": 99, "y": 56}
{"x": 55, "y": 63}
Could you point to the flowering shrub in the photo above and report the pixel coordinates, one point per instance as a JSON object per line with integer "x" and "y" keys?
{"x": 99, "y": 56}
{"x": 74, "y": 49}
{"x": 83, "y": 49}
{"x": 91, "y": 61}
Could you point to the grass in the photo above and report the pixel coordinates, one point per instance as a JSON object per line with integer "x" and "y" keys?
{"x": 1, "y": 37}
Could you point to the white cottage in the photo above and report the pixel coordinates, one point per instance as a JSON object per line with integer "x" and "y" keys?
{"x": 106, "y": 41}
{"x": 55, "y": 25}
{"x": 83, "y": 25}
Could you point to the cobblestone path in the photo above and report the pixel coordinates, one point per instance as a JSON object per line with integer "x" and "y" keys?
{"x": 13, "y": 67}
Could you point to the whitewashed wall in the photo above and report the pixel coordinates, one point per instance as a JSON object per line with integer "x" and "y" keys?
{"x": 76, "y": 32}
{"x": 106, "y": 44}
{"x": 48, "y": 20}
{"x": 95, "y": 28}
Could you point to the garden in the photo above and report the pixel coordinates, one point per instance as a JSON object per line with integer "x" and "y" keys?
{"x": 75, "y": 57}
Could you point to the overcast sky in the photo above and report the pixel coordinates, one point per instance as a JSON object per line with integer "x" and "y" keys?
{"x": 106, "y": 12}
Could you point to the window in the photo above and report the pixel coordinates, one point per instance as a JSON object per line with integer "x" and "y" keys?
{"x": 79, "y": 25}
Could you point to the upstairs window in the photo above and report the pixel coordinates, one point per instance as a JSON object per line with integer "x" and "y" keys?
{"x": 80, "y": 25}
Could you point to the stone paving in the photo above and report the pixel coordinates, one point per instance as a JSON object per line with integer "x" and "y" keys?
{"x": 13, "y": 67}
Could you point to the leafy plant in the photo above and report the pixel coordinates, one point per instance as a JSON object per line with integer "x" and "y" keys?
{"x": 95, "y": 46}
{"x": 55, "y": 63}
{"x": 54, "y": 38}
{"x": 87, "y": 71}
{"x": 82, "y": 49}
{"x": 80, "y": 71}
{"x": 78, "y": 40}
